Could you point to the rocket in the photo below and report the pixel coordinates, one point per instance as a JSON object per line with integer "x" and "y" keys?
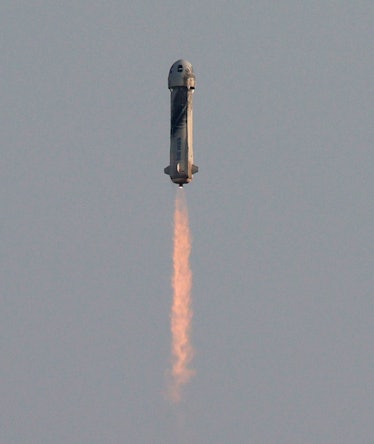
{"x": 181, "y": 82}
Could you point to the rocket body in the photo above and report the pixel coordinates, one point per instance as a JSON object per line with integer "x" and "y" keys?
{"x": 181, "y": 82}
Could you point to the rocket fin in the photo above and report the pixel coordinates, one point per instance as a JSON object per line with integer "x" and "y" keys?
{"x": 195, "y": 169}
{"x": 167, "y": 170}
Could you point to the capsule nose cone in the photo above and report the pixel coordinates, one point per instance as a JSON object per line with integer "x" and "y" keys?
{"x": 181, "y": 74}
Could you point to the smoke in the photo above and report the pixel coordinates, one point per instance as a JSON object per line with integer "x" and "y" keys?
{"x": 181, "y": 313}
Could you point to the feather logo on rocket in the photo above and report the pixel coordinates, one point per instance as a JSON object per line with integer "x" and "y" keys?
{"x": 181, "y": 82}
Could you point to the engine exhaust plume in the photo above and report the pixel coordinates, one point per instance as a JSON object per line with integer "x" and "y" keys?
{"x": 181, "y": 313}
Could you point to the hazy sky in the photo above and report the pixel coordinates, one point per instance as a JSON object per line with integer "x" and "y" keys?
{"x": 281, "y": 215}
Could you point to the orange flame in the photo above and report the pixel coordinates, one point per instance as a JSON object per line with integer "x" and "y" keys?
{"x": 181, "y": 313}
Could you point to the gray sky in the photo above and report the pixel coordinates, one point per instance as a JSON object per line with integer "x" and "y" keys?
{"x": 281, "y": 214}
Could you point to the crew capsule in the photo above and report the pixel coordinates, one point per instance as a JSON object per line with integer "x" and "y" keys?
{"x": 181, "y": 74}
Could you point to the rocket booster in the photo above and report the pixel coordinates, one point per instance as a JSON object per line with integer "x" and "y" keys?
{"x": 181, "y": 82}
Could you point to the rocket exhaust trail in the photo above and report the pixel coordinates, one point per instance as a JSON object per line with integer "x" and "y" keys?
{"x": 181, "y": 313}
